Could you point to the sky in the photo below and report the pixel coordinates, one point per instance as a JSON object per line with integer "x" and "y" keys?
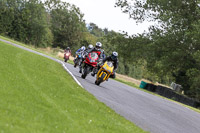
{"x": 105, "y": 15}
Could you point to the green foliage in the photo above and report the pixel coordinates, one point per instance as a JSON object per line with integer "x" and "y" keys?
{"x": 42, "y": 23}
{"x": 25, "y": 21}
{"x": 96, "y": 31}
{"x": 173, "y": 43}
{"x": 88, "y": 38}
{"x": 67, "y": 26}
{"x": 6, "y": 18}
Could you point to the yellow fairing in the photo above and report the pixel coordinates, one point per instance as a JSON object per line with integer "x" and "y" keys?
{"x": 106, "y": 70}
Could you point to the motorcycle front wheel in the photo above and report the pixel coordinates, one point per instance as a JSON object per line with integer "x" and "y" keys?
{"x": 85, "y": 72}
{"x": 75, "y": 62}
{"x": 66, "y": 60}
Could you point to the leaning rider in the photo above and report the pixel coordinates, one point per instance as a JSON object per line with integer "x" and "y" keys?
{"x": 89, "y": 47}
{"x": 99, "y": 51}
{"x": 113, "y": 58}
{"x": 80, "y": 51}
{"x": 84, "y": 53}
{"x": 67, "y": 50}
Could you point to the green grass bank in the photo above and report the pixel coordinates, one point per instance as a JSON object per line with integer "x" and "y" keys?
{"x": 38, "y": 95}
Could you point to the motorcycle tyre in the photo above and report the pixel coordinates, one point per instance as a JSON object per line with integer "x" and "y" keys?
{"x": 66, "y": 60}
{"x": 98, "y": 82}
{"x": 75, "y": 63}
{"x": 85, "y": 72}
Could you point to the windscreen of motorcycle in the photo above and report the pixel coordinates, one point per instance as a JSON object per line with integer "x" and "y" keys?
{"x": 93, "y": 56}
{"x": 110, "y": 64}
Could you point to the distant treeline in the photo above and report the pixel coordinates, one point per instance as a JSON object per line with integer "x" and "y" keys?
{"x": 169, "y": 52}
{"x": 42, "y": 23}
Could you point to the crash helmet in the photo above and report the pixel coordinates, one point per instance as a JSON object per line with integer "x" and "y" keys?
{"x": 83, "y": 48}
{"x": 114, "y": 55}
{"x": 68, "y": 48}
{"x": 90, "y": 46}
{"x": 98, "y": 45}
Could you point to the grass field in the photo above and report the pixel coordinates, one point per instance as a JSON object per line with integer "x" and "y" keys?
{"x": 37, "y": 95}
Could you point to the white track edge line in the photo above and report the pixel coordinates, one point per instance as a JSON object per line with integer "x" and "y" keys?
{"x": 63, "y": 64}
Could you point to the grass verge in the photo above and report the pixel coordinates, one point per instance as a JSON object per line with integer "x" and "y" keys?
{"x": 47, "y": 51}
{"x": 37, "y": 95}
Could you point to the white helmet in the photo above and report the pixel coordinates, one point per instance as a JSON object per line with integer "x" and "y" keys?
{"x": 83, "y": 48}
{"x": 90, "y": 46}
{"x": 114, "y": 55}
{"x": 98, "y": 45}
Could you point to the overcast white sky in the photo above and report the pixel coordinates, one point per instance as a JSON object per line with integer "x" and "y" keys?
{"x": 105, "y": 15}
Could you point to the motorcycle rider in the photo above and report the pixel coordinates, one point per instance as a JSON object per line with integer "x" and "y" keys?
{"x": 100, "y": 51}
{"x": 80, "y": 51}
{"x": 89, "y": 47}
{"x": 67, "y": 50}
{"x": 113, "y": 58}
{"x": 97, "y": 49}
{"x": 84, "y": 53}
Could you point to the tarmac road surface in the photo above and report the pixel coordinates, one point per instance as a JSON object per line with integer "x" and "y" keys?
{"x": 150, "y": 112}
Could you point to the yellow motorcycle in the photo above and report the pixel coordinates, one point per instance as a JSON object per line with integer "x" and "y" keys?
{"x": 104, "y": 72}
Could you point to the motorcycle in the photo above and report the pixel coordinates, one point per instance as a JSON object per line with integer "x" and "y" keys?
{"x": 89, "y": 63}
{"x": 78, "y": 59}
{"x": 104, "y": 72}
{"x": 66, "y": 56}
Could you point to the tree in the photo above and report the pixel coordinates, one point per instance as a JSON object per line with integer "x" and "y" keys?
{"x": 96, "y": 31}
{"x": 25, "y": 21}
{"x": 67, "y": 25}
{"x": 6, "y": 17}
{"x": 173, "y": 41}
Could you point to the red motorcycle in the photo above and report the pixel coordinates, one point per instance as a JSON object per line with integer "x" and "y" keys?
{"x": 66, "y": 56}
{"x": 89, "y": 63}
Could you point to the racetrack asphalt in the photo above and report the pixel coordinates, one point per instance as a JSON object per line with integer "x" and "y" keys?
{"x": 150, "y": 112}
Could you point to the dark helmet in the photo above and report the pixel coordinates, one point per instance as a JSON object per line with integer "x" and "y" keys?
{"x": 68, "y": 48}
{"x": 114, "y": 55}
